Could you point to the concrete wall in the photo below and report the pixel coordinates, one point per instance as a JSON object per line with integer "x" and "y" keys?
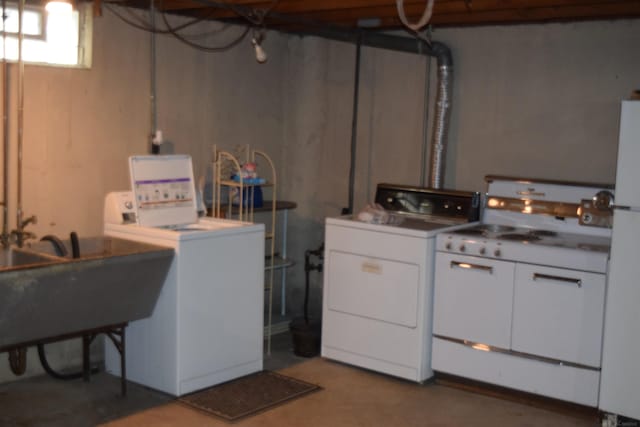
{"x": 530, "y": 100}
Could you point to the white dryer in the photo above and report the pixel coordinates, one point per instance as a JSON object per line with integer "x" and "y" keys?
{"x": 378, "y": 280}
{"x": 207, "y": 326}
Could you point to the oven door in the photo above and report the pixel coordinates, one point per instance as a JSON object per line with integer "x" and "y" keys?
{"x": 473, "y": 299}
{"x": 558, "y": 313}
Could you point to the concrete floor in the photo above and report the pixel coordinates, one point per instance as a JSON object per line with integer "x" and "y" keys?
{"x": 350, "y": 397}
{"x": 44, "y": 401}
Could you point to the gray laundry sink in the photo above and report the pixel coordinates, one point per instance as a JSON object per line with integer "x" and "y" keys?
{"x": 16, "y": 258}
{"x": 43, "y": 296}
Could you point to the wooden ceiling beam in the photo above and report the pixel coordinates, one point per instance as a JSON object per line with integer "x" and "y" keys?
{"x": 296, "y": 6}
{"x": 347, "y": 13}
{"x": 490, "y": 12}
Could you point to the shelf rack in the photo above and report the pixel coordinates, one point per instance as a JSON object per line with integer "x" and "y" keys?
{"x": 244, "y": 209}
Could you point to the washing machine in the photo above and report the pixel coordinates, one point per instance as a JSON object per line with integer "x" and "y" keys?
{"x": 207, "y": 326}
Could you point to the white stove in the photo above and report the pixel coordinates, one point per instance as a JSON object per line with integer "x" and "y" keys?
{"x": 519, "y": 298}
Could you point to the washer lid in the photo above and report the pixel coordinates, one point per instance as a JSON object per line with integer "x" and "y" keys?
{"x": 164, "y": 190}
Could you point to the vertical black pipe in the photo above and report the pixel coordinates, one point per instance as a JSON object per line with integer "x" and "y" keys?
{"x": 354, "y": 128}
{"x": 5, "y": 131}
{"x": 155, "y": 146}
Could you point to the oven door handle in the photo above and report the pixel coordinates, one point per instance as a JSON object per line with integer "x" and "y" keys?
{"x": 540, "y": 276}
{"x": 469, "y": 266}
{"x": 531, "y": 192}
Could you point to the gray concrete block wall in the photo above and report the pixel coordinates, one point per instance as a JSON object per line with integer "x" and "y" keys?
{"x": 530, "y": 100}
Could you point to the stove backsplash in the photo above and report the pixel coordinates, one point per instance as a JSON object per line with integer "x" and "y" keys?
{"x": 559, "y": 205}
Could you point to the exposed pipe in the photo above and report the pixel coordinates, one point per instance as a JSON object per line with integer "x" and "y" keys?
{"x": 19, "y": 212}
{"x": 440, "y": 127}
{"x": 424, "y": 148}
{"x": 444, "y": 60}
{"x": 155, "y": 146}
{"x": 354, "y": 129}
{"x": 5, "y": 133}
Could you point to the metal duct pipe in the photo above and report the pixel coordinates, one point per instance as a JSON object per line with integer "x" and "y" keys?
{"x": 442, "y": 54}
{"x": 440, "y": 127}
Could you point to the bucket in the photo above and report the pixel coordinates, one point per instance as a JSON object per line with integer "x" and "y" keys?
{"x": 306, "y": 337}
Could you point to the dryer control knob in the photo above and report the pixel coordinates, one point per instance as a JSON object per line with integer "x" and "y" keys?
{"x": 497, "y": 253}
{"x": 482, "y": 250}
{"x": 448, "y": 246}
{"x": 462, "y": 248}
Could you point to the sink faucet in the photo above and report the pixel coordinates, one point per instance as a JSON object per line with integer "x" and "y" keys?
{"x": 20, "y": 235}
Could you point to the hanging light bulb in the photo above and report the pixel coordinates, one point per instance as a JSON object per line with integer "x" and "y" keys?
{"x": 256, "y": 41}
{"x": 261, "y": 55}
{"x": 59, "y": 6}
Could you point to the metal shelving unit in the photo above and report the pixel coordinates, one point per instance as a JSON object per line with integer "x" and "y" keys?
{"x": 239, "y": 204}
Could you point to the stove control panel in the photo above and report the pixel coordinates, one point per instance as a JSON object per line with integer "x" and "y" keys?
{"x": 532, "y": 246}
{"x": 466, "y": 245}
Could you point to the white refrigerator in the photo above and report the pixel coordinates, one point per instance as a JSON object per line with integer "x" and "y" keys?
{"x": 620, "y": 376}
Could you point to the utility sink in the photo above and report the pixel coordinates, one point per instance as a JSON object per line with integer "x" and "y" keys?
{"x": 17, "y": 258}
{"x": 43, "y": 296}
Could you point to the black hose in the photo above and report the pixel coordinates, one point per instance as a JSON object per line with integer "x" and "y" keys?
{"x": 75, "y": 245}
{"x": 18, "y": 360}
{"x": 61, "y": 249}
{"x": 57, "y": 375}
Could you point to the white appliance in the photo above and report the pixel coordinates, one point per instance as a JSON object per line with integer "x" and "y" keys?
{"x": 620, "y": 386}
{"x": 378, "y": 281}
{"x": 207, "y": 326}
{"x": 519, "y": 299}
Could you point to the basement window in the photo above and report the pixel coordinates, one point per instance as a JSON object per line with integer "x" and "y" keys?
{"x": 55, "y": 38}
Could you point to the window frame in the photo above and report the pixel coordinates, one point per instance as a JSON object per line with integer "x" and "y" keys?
{"x": 85, "y": 35}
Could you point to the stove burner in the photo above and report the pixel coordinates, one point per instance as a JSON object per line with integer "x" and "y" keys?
{"x": 543, "y": 233}
{"x": 485, "y": 230}
{"x": 524, "y": 237}
{"x": 496, "y": 228}
{"x": 475, "y": 231}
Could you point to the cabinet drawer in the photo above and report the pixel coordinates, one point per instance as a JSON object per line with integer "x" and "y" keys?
{"x": 558, "y": 313}
{"x": 376, "y": 288}
{"x": 473, "y": 299}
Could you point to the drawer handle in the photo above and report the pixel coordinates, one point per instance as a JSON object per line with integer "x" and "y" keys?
{"x": 531, "y": 192}
{"x": 468, "y": 266}
{"x": 371, "y": 267}
{"x": 537, "y": 276}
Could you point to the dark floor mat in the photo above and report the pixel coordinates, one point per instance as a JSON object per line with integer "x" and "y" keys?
{"x": 248, "y": 395}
